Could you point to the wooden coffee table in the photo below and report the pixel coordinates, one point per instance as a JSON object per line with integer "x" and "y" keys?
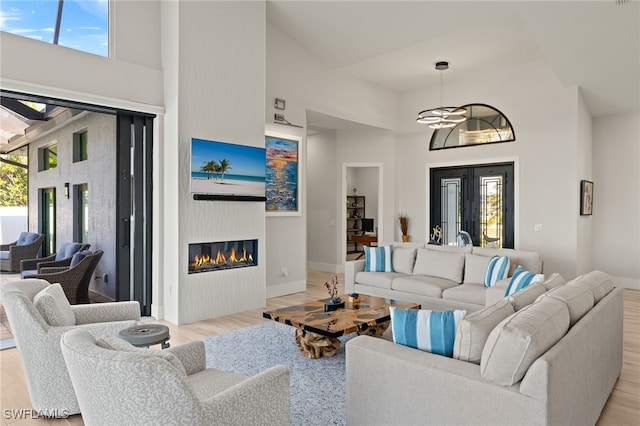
{"x": 317, "y": 331}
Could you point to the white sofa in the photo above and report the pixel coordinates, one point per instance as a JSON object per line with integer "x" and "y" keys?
{"x": 551, "y": 362}
{"x": 439, "y": 277}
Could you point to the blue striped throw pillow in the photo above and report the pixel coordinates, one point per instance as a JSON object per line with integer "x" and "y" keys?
{"x": 520, "y": 279}
{"x": 497, "y": 270}
{"x": 431, "y": 331}
{"x": 377, "y": 259}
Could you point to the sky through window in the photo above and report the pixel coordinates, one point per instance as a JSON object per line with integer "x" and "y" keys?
{"x": 84, "y": 25}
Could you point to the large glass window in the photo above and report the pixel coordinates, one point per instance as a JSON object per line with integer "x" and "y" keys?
{"x": 47, "y": 214}
{"x": 80, "y": 145}
{"x": 48, "y": 157}
{"x": 81, "y": 213}
{"x": 78, "y": 24}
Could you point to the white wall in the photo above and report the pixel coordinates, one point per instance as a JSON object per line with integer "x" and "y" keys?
{"x": 584, "y": 172}
{"x": 543, "y": 115}
{"x": 13, "y": 221}
{"x": 322, "y": 221}
{"x": 220, "y": 93}
{"x": 616, "y": 198}
{"x": 308, "y": 84}
{"x": 97, "y": 172}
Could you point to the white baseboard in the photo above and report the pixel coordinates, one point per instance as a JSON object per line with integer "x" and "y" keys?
{"x": 630, "y": 283}
{"x": 284, "y": 289}
{"x": 325, "y": 267}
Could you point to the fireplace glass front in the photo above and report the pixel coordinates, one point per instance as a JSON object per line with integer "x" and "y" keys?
{"x": 221, "y": 255}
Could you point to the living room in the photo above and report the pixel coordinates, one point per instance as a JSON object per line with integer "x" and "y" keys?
{"x": 213, "y": 69}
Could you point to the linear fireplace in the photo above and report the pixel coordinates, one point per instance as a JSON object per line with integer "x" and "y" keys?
{"x": 221, "y": 255}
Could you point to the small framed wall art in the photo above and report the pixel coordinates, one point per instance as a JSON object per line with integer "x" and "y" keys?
{"x": 282, "y": 175}
{"x": 586, "y": 198}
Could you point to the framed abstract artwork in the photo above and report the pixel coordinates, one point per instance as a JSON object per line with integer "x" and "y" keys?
{"x": 586, "y": 198}
{"x": 282, "y": 177}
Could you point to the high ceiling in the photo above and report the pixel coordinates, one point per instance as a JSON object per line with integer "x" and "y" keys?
{"x": 591, "y": 44}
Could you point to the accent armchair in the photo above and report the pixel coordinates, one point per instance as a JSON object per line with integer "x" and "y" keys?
{"x": 39, "y": 314}
{"x": 61, "y": 258}
{"x": 27, "y": 246}
{"x": 135, "y": 386}
{"x": 74, "y": 279}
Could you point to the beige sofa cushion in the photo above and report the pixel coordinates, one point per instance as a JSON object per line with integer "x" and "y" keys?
{"x": 577, "y": 295}
{"x": 403, "y": 259}
{"x": 475, "y": 268}
{"x": 467, "y": 293}
{"x": 422, "y": 285}
{"x": 529, "y": 260}
{"x": 555, "y": 280}
{"x": 520, "y": 339}
{"x": 601, "y": 284}
{"x": 474, "y": 329}
{"x": 527, "y": 295}
{"x": 377, "y": 279}
{"x": 439, "y": 264}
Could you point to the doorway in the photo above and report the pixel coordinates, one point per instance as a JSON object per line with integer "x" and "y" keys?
{"x": 122, "y": 228}
{"x": 478, "y": 199}
{"x": 362, "y": 207}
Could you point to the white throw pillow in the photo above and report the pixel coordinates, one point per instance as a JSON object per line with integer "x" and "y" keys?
{"x": 54, "y": 306}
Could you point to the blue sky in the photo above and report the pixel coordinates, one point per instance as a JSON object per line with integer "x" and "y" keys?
{"x": 84, "y": 24}
{"x": 244, "y": 160}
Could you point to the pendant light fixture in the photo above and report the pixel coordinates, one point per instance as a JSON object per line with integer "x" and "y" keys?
{"x": 442, "y": 117}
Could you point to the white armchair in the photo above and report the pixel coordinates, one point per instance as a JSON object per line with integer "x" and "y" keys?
{"x": 38, "y": 339}
{"x": 135, "y": 386}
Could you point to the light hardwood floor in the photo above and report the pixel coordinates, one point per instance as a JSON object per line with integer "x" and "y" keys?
{"x": 623, "y": 407}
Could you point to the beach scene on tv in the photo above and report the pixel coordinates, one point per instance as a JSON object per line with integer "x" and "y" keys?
{"x": 222, "y": 168}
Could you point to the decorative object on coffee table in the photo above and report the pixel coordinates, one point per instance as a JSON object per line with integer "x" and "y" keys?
{"x": 436, "y": 236}
{"x": 334, "y": 302}
{"x": 318, "y": 331}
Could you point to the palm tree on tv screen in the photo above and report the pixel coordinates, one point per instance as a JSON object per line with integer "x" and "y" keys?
{"x": 224, "y": 167}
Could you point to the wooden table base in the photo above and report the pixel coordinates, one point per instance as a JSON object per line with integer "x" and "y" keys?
{"x": 375, "y": 330}
{"x": 314, "y": 346}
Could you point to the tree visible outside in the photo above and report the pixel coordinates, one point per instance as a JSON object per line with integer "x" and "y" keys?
{"x": 13, "y": 182}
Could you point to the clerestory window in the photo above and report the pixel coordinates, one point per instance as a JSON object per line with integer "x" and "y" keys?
{"x": 77, "y": 24}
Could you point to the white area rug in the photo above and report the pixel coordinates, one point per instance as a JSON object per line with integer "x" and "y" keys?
{"x": 317, "y": 385}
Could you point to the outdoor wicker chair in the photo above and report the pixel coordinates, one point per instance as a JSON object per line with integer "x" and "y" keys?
{"x": 61, "y": 258}
{"x": 75, "y": 279}
{"x": 27, "y": 246}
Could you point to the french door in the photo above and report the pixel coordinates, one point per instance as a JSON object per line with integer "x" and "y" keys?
{"x": 47, "y": 212}
{"x": 478, "y": 199}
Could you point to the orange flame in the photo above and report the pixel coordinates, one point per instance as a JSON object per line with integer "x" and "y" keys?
{"x": 232, "y": 256}
{"x": 220, "y": 258}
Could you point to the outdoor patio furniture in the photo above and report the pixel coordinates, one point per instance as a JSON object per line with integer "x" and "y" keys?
{"x": 27, "y": 246}
{"x": 74, "y": 279}
{"x": 39, "y": 314}
{"x": 61, "y": 258}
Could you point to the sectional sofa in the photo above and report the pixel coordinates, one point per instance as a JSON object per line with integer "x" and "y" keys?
{"x": 438, "y": 277}
{"x": 551, "y": 362}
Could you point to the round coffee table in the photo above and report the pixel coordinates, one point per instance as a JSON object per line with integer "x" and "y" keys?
{"x": 146, "y": 335}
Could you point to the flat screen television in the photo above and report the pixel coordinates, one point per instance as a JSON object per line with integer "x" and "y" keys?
{"x": 227, "y": 171}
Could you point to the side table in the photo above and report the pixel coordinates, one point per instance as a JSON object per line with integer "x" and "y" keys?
{"x": 146, "y": 335}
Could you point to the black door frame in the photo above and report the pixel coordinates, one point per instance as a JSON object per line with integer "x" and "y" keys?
{"x": 469, "y": 175}
{"x": 136, "y": 286}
